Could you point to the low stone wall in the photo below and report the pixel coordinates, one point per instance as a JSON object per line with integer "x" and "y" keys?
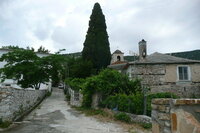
{"x": 140, "y": 118}
{"x": 76, "y": 97}
{"x": 176, "y": 115}
{"x": 14, "y": 103}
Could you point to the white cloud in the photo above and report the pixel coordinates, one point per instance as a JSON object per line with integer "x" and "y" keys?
{"x": 167, "y": 26}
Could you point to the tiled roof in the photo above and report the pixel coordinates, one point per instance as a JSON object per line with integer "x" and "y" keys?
{"x": 119, "y": 62}
{"x": 157, "y": 58}
{"x": 118, "y": 52}
{"x": 118, "y": 66}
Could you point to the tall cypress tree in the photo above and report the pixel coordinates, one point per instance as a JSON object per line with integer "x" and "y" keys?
{"x": 96, "y": 45}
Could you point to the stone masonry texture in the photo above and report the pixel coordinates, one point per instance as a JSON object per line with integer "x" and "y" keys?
{"x": 163, "y": 78}
{"x": 15, "y": 102}
{"x": 176, "y": 115}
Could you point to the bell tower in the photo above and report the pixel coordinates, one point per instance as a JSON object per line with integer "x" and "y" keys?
{"x": 117, "y": 56}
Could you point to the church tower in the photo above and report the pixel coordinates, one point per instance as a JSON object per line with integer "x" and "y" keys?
{"x": 117, "y": 56}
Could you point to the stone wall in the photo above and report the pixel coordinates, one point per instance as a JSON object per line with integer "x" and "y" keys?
{"x": 14, "y": 103}
{"x": 150, "y": 74}
{"x": 176, "y": 115}
{"x": 182, "y": 90}
{"x": 76, "y": 97}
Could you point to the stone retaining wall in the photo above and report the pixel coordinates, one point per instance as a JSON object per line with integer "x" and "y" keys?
{"x": 176, "y": 115}
{"x": 16, "y": 102}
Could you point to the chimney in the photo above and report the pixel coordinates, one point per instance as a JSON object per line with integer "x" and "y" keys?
{"x": 142, "y": 49}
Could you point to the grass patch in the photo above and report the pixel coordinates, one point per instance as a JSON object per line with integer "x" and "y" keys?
{"x": 123, "y": 117}
{"x": 146, "y": 125}
{"x": 4, "y": 124}
{"x": 92, "y": 112}
{"x": 48, "y": 94}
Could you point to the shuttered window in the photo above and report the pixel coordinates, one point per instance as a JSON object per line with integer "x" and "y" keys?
{"x": 183, "y": 73}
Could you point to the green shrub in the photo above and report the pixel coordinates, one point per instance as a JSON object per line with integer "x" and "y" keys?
{"x": 91, "y": 112}
{"x": 48, "y": 94}
{"x": 146, "y": 125}
{"x": 68, "y": 97}
{"x": 96, "y": 112}
{"x": 158, "y": 95}
{"x": 123, "y": 117}
{"x": 87, "y": 95}
{"x": 65, "y": 90}
{"x": 4, "y": 124}
{"x": 108, "y": 83}
{"x": 131, "y": 104}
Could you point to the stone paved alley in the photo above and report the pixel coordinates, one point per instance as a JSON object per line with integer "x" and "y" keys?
{"x": 54, "y": 115}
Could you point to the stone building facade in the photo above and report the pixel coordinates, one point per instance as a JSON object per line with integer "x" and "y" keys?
{"x": 166, "y": 77}
{"x": 164, "y": 73}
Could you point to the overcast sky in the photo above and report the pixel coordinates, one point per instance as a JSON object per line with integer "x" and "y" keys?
{"x": 166, "y": 25}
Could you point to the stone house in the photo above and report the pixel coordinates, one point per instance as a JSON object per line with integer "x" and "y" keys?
{"x": 163, "y": 73}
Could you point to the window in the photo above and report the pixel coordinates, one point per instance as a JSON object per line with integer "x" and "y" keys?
{"x": 183, "y": 73}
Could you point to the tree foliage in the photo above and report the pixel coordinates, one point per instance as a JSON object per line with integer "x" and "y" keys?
{"x": 43, "y": 50}
{"x": 55, "y": 64}
{"x": 108, "y": 83}
{"x": 193, "y": 55}
{"x": 75, "y": 83}
{"x": 30, "y": 70}
{"x": 96, "y": 46}
{"x": 11, "y": 47}
{"x": 78, "y": 68}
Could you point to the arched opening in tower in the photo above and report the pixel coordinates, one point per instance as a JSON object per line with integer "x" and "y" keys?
{"x": 118, "y": 58}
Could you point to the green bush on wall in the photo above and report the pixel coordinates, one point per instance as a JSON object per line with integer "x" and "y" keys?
{"x": 75, "y": 83}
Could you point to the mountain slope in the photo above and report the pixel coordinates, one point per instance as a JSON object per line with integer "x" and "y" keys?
{"x": 193, "y": 55}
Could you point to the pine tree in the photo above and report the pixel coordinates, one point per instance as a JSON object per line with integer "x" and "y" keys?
{"x": 96, "y": 45}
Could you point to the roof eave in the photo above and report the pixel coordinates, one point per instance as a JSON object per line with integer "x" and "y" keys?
{"x": 143, "y": 63}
